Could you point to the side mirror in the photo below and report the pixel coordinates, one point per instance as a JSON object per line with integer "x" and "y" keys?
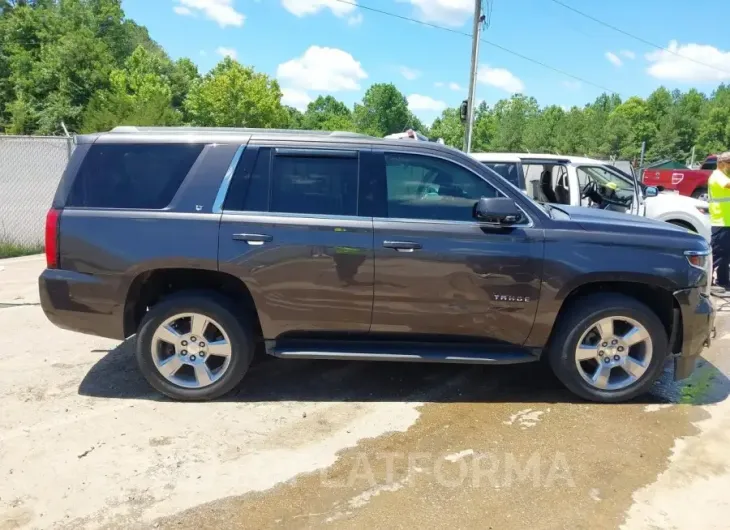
{"x": 651, "y": 191}
{"x": 500, "y": 211}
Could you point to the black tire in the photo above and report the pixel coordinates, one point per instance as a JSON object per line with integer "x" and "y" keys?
{"x": 582, "y": 314}
{"x": 238, "y": 328}
{"x": 699, "y": 192}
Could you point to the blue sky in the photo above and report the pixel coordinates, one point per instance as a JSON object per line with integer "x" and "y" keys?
{"x": 333, "y": 47}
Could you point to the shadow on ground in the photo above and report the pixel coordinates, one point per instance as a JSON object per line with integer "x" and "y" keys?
{"x": 116, "y": 376}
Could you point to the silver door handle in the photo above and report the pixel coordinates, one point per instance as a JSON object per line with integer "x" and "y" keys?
{"x": 402, "y": 246}
{"x": 253, "y": 239}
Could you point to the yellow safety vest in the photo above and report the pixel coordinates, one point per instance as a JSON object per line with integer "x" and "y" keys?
{"x": 719, "y": 199}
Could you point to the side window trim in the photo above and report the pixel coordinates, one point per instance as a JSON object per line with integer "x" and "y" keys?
{"x": 315, "y": 153}
{"x": 222, "y": 194}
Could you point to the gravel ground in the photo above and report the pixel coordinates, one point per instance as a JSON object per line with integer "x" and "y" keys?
{"x": 84, "y": 442}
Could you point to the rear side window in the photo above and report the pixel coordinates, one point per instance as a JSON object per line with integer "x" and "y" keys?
{"x": 318, "y": 185}
{"x": 506, "y": 170}
{"x": 249, "y": 189}
{"x": 141, "y": 176}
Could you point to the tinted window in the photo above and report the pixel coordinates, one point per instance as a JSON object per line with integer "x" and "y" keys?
{"x": 249, "y": 189}
{"x": 314, "y": 185}
{"x": 421, "y": 187}
{"x": 145, "y": 176}
{"x": 507, "y": 171}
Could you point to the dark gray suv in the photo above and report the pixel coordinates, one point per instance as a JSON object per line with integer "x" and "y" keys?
{"x": 212, "y": 244}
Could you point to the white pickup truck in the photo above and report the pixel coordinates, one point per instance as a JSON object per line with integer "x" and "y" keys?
{"x": 579, "y": 181}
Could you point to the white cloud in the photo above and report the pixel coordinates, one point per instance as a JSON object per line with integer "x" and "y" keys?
{"x": 355, "y": 20}
{"x": 628, "y": 54}
{"x": 418, "y": 102}
{"x": 667, "y": 65}
{"x": 221, "y": 11}
{"x": 302, "y": 8}
{"x": 500, "y": 78}
{"x": 409, "y": 73}
{"x": 573, "y": 85}
{"x": 439, "y": 84}
{"x": 614, "y": 59}
{"x": 323, "y": 70}
{"x": 295, "y": 98}
{"x": 227, "y": 52}
{"x": 448, "y": 12}
{"x": 456, "y": 87}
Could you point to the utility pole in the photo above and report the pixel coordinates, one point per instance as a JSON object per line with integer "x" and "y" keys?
{"x": 643, "y": 152}
{"x": 476, "y": 36}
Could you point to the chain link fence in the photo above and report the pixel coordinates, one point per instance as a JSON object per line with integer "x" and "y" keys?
{"x": 30, "y": 169}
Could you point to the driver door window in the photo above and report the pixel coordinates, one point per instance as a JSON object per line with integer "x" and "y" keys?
{"x": 423, "y": 187}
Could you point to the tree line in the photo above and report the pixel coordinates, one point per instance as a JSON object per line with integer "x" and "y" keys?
{"x": 83, "y": 63}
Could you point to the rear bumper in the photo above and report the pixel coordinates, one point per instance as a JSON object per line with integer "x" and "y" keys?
{"x": 698, "y": 324}
{"x": 81, "y": 302}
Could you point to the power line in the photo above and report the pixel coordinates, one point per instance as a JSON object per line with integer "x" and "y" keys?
{"x": 635, "y": 37}
{"x": 485, "y": 41}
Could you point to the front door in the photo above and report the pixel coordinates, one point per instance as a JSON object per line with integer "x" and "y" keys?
{"x": 440, "y": 273}
{"x": 290, "y": 230}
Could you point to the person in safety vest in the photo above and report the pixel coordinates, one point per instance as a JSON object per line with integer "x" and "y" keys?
{"x": 718, "y": 187}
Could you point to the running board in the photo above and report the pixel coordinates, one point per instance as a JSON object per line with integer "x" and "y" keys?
{"x": 453, "y": 354}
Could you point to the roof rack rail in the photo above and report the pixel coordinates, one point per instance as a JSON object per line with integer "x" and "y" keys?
{"x": 129, "y": 129}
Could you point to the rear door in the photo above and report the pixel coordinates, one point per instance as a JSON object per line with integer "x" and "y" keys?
{"x": 292, "y": 232}
{"x": 438, "y": 272}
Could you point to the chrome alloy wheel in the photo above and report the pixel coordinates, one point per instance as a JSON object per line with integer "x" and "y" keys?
{"x": 614, "y": 353}
{"x": 191, "y": 350}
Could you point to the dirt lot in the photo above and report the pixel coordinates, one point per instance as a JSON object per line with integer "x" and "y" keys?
{"x": 84, "y": 443}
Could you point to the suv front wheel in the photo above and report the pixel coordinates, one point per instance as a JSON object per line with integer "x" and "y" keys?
{"x": 193, "y": 347}
{"x": 608, "y": 348}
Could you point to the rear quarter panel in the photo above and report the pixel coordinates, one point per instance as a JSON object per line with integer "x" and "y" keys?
{"x": 111, "y": 247}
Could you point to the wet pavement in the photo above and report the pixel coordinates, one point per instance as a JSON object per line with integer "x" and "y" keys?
{"x": 499, "y": 448}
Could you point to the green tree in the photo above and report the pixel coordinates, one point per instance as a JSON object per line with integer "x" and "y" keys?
{"x": 140, "y": 94}
{"x": 449, "y": 127}
{"x": 484, "y": 130}
{"x": 295, "y": 118}
{"x": 232, "y": 95}
{"x": 714, "y": 129}
{"x": 541, "y": 131}
{"x": 383, "y": 111}
{"x": 328, "y": 114}
{"x": 513, "y": 117}
{"x": 183, "y": 75}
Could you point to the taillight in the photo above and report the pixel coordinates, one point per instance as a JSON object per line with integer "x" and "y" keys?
{"x": 52, "y": 218}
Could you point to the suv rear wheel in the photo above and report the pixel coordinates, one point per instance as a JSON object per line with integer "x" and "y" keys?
{"x": 608, "y": 348}
{"x": 193, "y": 347}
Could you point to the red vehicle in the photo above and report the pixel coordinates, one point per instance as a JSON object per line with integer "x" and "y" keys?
{"x": 690, "y": 182}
